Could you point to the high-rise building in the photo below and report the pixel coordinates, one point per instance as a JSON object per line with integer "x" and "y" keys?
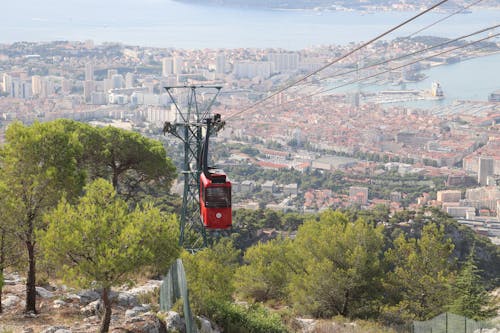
{"x": 167, "y": 67}
{"x": 252, "y": 69}
{"x": 36, "y": 85}
{"x": 486, "y": 168}
{"x": 117, "y": 81}
{"x": 130, "y": 80}
{"x": 88, "y": 89}
{"x": 7, "y": 83}
{"x": 284, "y": 61}
{"x": 89, "y": 71}
{"x": 111, "y": 73}
{"x": 149, "y": 84}
{"x": 220, "y": 65}
{"x": 498, "y": 210}
{"x": 177, "y": 65}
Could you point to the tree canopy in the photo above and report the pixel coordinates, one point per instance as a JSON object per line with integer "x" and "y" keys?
{"x": 98, "y": 242}
{"x": 38, "y": 166}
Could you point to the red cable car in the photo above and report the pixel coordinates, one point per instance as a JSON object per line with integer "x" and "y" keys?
{"x": 215, "y": 190}
{"x": 215, "y": 200}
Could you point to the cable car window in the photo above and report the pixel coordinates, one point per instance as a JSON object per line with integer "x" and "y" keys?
{"x": 217, "y": 197}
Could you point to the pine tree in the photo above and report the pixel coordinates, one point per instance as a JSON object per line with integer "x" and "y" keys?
{"x": 471, "y": 299}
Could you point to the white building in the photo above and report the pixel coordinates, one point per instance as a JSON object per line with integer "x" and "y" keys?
{"x": 177, "y": 65}
{"x": 253, "y": 69}
{"x": 220, "y": 64}
{"x": 117, "y": 81}
{"x": 284, "y": 62}
{"x": 486, "y": 169}
{"x": 89, "y": 71}
{"x": 167, "y": 67}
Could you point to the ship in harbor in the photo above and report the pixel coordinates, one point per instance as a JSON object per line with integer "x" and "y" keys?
{"x": 436, "y": 90}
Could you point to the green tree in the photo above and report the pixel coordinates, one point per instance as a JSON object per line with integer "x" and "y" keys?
{"x": 470, "y": 298}
{"x": 38, "y": 165}
{"x": 210, "y": 274}
{"x": 100, "y": 243}
{"x": 267, "y": 271}
{"x": 422, "y": 275}
{"x": 10, "y": 252}
{"x": 135, "y": 165}
{"x": 340, "y": 267}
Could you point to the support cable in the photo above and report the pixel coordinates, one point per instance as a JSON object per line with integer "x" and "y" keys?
{"x": 409, "y": 54}
{"x": 339, "y": 58}
{"x": 391, "y": 69}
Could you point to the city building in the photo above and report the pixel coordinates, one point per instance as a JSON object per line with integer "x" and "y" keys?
{"x": 220, "y": 65}
{"x": 449, "y": 196}
{"x": 252, "y": 69}
{"x": 177, "y": 65}
{"x": 284, "y": 62}
{"x": 461, "y": 212}
{"x": 88, "y": 88}
{"x": 269, "y": 186}
{"x": 167, "y": 67}
{"x": 130, "y": 79}
{"x": 358, "y": 194}
{"x": 494, "y": 96}
{"x": 486, "y": 168}
{"x": 89, "y": 71}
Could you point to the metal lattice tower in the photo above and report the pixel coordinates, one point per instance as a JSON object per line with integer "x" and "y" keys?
{"x": 190, "y": 127}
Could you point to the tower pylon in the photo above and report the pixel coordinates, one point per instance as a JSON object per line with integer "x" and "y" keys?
{"x": 190, "y": 126}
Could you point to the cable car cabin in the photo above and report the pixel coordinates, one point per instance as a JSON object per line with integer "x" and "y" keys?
{"x": 215, "y": 200}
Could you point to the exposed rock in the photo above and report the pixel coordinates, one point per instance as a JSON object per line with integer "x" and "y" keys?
{"x": 92, "y": 309}
{"x": 173, "y": 321}
{"x": 88, "y": 296}
{"x": 13, "y": 279}
{"x": 306, "y": 325}
{"x": 58, "y": 304}
{"x": 145, "y": 323}
{"x": 125, "y": 299}
{"x": 135, "y": 311}
{"x": 149, "y": 287}
{"x": 207, "y": 326}
{"x": 92, "y": 319}
{"x": 44, "y": 293}
{"x": 10, "y": 300}
{"x": 56, "y": 329}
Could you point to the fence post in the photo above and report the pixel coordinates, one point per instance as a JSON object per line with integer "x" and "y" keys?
{"x": 446, "y": 316}
{"x": 465, "y": 318}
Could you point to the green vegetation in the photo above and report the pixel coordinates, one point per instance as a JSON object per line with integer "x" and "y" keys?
{"x": 93, "y": 203}
{"x": 240, "y": 319}
{"x": 39, "y": 166}
{"x": 348, "y": 265}
{"x": 43, "y": 163}
{"x": 98, "y": 242}
{"x": 379, "y": 186}
{"x": 421, "y": 279}
{"x": 471, "y": 298}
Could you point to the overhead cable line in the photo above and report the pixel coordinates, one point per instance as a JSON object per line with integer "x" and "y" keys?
{"x": 339, "y": 58}
{"x": 415, "y": 33}
{"x": 444, "y": 18}
{"x": 391, "y": 69}
{"x": 409, "y": 54}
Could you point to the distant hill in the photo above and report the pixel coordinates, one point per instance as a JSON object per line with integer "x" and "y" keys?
{"x": 335, "y": 4}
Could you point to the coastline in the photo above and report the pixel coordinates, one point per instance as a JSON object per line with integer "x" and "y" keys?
{"x": 331, "y": 8}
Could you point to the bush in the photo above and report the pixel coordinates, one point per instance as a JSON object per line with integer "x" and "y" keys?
{"x": 239, "y": 319}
